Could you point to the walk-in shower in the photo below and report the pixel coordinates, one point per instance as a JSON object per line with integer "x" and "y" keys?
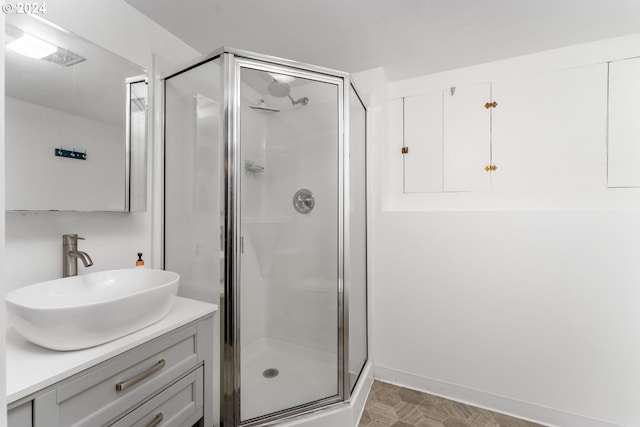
{"x": 265, "y": 214}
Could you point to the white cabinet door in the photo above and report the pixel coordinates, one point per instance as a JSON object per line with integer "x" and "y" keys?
{"x": 467, "y": 138}
{"x": 394, "y": 160}
{"x": 549, "y": 132}
{"x": 624, "y": 124}
{"x": 21, "y": 416}
{"x": 423, "y": 137}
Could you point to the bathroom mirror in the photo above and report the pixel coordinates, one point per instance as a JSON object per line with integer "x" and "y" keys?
{"x": 75, "y": 122}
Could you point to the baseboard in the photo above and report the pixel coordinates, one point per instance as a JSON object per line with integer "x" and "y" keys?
{"x": 505, "y": 405}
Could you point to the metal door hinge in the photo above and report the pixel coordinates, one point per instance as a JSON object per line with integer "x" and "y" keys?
{"x": 405, "y": 150}
{"x": 488, "y": 105}
{"x": 490, "y": 168}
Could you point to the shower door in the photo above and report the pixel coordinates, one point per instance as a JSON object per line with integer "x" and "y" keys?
{"x": 289, "y": 288}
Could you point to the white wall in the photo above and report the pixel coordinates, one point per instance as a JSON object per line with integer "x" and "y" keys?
{"x": 534, "y": 306}
{"x": 523, "y": 300}
{"x": 3, "y": 391}
{"x": 61, "y": 183}
{"x": 34, "y": 242}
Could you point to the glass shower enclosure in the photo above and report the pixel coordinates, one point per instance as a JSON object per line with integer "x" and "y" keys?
{"x": 265, "y": 215}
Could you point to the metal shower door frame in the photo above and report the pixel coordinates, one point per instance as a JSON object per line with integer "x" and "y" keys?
{"x": 233, "y": 61}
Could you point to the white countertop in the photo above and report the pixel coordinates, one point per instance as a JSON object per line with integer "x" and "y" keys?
{"x": 31, "y": 368}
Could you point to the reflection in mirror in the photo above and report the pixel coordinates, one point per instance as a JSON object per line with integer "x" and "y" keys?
{"x": 136, "y": 147}
{"x": 75, "y": 122}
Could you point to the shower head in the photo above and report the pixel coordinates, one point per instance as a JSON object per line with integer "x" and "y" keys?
{"x": 278, "y": 89}
{"x": 281, "y": 90}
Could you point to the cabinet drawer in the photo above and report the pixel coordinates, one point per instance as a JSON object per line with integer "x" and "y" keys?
{"x": 179, "y": 405}
{"x": 92, "y": 399}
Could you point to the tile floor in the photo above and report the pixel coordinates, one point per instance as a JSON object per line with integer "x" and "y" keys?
{"x": 389, "y": 405}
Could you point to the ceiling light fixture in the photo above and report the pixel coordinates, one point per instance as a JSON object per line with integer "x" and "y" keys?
{"x": 32, "y": 46}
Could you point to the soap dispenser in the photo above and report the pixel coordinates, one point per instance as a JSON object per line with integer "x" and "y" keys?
{"x": 140, "y": 261}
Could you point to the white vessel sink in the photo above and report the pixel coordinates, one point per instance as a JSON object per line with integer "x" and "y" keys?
{"x": 91, "y": 309}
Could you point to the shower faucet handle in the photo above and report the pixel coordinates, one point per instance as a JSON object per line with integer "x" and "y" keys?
{"x": 304, "y": 201}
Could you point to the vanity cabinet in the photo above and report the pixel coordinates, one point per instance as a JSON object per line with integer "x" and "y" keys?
{"x": 179, "y": 405}
{"x": 20, "y": 416}
{"x": 161, "y": 382}
{"x": 446, "y": 139}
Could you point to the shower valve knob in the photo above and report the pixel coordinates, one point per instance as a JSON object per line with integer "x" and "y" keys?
{"x": 304, "y": 201}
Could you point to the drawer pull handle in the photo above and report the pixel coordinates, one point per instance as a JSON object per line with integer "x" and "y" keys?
{"x": 156, "y": 421}
{"x": 135, "y": 380}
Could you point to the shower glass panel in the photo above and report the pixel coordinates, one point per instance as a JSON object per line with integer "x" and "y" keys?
{"x": 194, "y": 194}
{"x": 356, "y": 269}
{"x": 194, "y": 182}
{"x": 290, "y": 268}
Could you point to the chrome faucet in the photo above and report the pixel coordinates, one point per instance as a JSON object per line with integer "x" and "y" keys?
{"x": 71, "y": 254}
